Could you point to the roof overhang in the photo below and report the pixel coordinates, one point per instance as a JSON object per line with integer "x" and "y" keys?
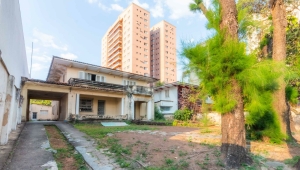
{"x": 59, "y": 65}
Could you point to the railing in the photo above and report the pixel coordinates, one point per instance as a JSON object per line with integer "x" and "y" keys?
{"x": 114, "y": 55}
{"x": 113, "y": 61}
{"x": 83, "y": 82}
{"x": 116, "y": 65}
{"x": 119, "y": 41}
{"x": 114, "y": 49}
{"x": 142, "y": 90}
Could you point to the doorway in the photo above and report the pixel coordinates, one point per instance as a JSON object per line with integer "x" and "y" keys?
{"x": 34, "y": 115}
{"x": 101, "y": 107}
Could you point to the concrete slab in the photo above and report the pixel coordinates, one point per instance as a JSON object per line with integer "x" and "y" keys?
{"x": 114, "y": 123}
{"x": 29, "y": 153}
{"x": 7, "y": 150}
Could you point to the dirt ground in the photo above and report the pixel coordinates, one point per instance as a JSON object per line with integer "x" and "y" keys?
{"x": 58, "y": 142}
{"x": 190, "y": 148}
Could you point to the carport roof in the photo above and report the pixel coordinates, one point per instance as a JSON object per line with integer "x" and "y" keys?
{"x": 58, "y": 67}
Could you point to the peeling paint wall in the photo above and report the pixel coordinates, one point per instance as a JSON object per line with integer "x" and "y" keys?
{"x": 13, "y": 63}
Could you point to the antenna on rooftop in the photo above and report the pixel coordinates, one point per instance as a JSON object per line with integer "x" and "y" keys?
{"x": 31, "y": 59}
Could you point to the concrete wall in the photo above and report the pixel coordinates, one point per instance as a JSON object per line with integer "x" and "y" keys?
{"x": 52, "y": 114}
{"x": 13, "y": 60}
{"x": 160, "y": 99}
{"x": 63, "y": 108}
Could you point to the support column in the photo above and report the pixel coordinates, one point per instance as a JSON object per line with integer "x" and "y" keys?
{"x": 122, "y": 106}
{"x": 132, "y": 108}
{"x": 150, "y": 115}
{"x": 7, "y": 106}
{"x": 77, "y": 104}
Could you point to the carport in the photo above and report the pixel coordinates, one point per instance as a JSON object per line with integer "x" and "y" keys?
{"x": 62, "y": 99}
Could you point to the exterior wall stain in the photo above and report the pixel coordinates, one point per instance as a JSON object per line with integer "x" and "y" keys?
{"x": 5, "y": 116}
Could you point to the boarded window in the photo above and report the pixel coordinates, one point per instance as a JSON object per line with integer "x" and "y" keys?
{"x": 86, "y": 105}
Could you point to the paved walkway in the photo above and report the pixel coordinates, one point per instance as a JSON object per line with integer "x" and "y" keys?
{"x": 7, "y": 150}
{"x": 32, "y": 150}
{"x": 30, "y": 153}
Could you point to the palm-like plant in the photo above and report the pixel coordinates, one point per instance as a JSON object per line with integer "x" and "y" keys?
{"x": 198, "y": 6}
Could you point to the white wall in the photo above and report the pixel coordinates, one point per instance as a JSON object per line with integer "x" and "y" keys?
{"x": 12, "y": 47}
{"x": 12, "y": 40}
{"x": 160, "y": 99}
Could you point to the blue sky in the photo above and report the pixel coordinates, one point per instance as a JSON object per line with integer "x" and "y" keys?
{"x": 74, "y": 28}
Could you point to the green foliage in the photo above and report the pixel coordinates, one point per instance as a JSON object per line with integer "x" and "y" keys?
{"x": 159, "y": 83}
{"x": 291, "y": 94}
{"x": 40, "y": 102}
{"x": 292, "y": 161}
{"x": 157, "y": 114}
{"x": 222, "y": 61}
{"x": 184, "y": 114}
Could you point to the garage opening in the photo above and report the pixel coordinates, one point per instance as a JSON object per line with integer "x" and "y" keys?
{"x": 46, "y": 106}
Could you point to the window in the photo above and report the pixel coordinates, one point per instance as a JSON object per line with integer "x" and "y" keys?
{"x": 86, "y": 105}
{"x": 164, "y": 108}
{"x": 100, "y": 78}
{"x": 167, "y": 93}
{"x": 44, "y": 112}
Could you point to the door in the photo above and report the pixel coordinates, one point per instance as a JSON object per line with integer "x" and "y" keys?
{"x": 101, "y": 107}
{"x": 34, "y": 115}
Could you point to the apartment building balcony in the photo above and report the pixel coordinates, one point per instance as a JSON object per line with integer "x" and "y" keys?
{"x": 114, "y": 61}
{"x": 114, "y": 55}
{"x": 112, "y": 36}
{"x": 114, "y": 33}
{"x": 118, "y": 25}
{"x": 114, "y": 50}
{"x": 116, "y": 41}
{"x": 111, "y": 39}
{"x": 119, "y": 41}
{"x": 116, "y": 65}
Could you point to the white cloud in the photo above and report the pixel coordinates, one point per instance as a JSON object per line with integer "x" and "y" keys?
{"x": 69, "y": 56}
{"x": 47, "y": 40}
{"x": 39, "y": 66}
{"x": 158, "y": 10}
{"x": 143, "y": 5}
{"x": 92, "y": 1}
{"x": 179, "y": 8}
{"x": 42, "y": 58}
{"x": 103, "y": 7}
{"x": 116, "y": 7}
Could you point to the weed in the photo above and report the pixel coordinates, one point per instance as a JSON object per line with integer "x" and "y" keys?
{"x": 182, "y": 153}
{"x": 172, "y": 150}
{"x": 169, "y": 161}
{"x": 183, "y": 164}
{"x": 292, "y": 161}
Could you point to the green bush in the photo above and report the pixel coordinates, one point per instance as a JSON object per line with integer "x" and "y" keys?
{"x": 157, "y": 114}
{"x": 40, "y": 102}
{"x": 184, "y": 114}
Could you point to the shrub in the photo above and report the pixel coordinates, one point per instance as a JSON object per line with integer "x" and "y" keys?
{"x": 184, "y": 114}
{"x": 157, "y": 114}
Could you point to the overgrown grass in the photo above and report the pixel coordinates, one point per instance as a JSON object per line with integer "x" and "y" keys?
{"x": 123, "y": 155}
{"x": 67, "y": 152}
{"x": 98, "y": 131}
{"x": 292, "y": 161}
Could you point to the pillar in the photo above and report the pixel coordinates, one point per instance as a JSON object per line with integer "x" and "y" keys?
{"x": 150, "y": 115}
{"x": 122, "y": 106}
{"x": 7, "y": 106}
{"x": 77, "y": 104}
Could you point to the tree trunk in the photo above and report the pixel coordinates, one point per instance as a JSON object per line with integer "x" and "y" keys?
{"x": 279, "y": 54}
{"x": 203, "y": 9}
{"x": 233, "y": 124}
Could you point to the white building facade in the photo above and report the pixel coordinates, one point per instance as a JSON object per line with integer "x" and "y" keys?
{"x": 13, "y": 65}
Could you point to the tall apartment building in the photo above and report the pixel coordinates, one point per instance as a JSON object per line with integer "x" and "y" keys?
{"x": 163, "y": 52}
{"x": 126, "y": 45}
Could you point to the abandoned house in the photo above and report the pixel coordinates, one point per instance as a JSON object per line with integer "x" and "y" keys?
{"x": 89, "y": 91}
